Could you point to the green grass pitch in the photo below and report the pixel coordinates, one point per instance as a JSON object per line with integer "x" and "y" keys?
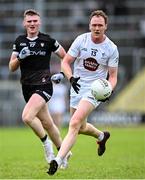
{"x": 21, "y": 156}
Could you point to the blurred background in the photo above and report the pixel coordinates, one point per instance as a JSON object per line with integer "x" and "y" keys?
{"x": 64, "y": 20}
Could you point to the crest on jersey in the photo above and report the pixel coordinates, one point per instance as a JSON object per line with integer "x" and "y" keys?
{"x": 42, "y": 44}
{"x": 43, "y": 80}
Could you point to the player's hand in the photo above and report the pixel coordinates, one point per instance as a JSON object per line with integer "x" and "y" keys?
{"x": 56, "y": 78}
{"x": 75, "y": 85}
{"x": 25, "y": 52}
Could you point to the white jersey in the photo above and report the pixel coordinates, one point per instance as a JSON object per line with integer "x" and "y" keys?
{"x": 92, "y": 59}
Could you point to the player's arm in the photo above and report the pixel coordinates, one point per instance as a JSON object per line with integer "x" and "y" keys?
{"x": 16, "y": 58}
{"x": 112, "y": 78}
{"x": 66, "y": 65}
{"x": 61, "y": 52}
{"x": 113, "y": 68}
{"x": 112, "y": 72}
{"x": 14, "y": 63}
{"x": 56, "y": 78}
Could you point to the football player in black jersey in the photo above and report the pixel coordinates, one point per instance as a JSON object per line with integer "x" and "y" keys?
{"x": 32, "y": 53}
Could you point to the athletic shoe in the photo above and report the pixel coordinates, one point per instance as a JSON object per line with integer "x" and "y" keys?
{"x": 64, "y": 164}
{"x": 48, "y": 156}
{"x": 53, "y": 167}
{"x": 102, "y": 143}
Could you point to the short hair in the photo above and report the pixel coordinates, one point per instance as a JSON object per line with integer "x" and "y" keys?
{"x": 31, "y": 12}
{"x": 99, "y": 13}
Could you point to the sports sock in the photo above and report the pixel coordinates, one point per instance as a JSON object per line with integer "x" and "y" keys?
{"x": 47, "y": 143}
{"x": 58, "y": 160}
{"x": 44, "y": 138}
{"x": 101, "y": 136}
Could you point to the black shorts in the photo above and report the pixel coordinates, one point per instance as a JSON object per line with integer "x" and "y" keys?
{"x": 45, "y": 91}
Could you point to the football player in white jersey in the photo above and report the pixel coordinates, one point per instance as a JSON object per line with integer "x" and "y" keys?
{"x": 94, "y": 56}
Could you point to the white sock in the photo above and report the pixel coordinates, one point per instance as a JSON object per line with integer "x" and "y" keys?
{"x": 58, "y": 160}
{"x": 47, "y": 143}
{"x": 101, "y": 136}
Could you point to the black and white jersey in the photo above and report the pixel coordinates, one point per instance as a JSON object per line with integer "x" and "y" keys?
{"x": 35, "y": 69}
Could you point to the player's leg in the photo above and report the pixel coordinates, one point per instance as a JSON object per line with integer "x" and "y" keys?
{"x": 89, "y": 129}
{"x": 76, "y": 123}
{"x": 35, "y": 103}
{"x": 83, "y": 110}
{"x": 49, "y": 126}
{"x": 30, "y": 111}
{"x": 53, "y": 132}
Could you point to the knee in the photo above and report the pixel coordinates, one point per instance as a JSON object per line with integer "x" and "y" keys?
{"x": 74, "y": 124}
{"x": 26, "y": 118}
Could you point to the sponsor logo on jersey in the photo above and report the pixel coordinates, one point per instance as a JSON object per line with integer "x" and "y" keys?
{"x": 91, "y": 64}
{"x": 37, "y": 53}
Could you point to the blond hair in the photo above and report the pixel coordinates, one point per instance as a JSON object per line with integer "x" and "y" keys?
{"x": 31, "y": 12}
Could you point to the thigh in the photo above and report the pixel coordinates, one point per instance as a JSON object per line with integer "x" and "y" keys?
{"x": 83, "y": 110}
{"x": 34, "y": 105}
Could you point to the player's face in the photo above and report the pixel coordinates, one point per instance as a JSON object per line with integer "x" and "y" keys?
{"x": 32, "y": 25}
{"x": 97, "y": 27}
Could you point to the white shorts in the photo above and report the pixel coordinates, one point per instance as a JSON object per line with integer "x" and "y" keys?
{"x": 84, "y": 94}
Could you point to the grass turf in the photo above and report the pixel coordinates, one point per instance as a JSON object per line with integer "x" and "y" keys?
{"x": 21, "y": 156}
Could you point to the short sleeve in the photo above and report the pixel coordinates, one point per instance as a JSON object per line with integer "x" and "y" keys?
{"x": 75, "y": 47}
{"x": 15, "y": 46}
{"x": 114, "y": 58}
